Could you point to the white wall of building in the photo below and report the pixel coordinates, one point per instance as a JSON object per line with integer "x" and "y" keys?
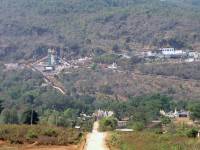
{"x": 171, "y": 51}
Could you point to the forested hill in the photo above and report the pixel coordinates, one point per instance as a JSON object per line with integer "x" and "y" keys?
{"x": 27, "y": 27}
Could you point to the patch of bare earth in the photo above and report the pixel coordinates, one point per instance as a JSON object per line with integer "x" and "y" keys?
{"x": 6, "y": 146}
{"x": 187, "y": 121}
{"x": 2, "y": 142}
{"x": 52, "y": 148}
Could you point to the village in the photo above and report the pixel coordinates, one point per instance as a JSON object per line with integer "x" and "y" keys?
{"x": 171, "y": 54}
{"x": 178, "y": 117}
{"x": 53, "y": 64}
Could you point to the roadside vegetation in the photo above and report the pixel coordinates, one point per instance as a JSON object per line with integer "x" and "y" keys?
{"x": 41, "y": 134}
{"x": 167, "y": 134}
{"x": 108, "y": 124}
{"x": 152, "y": 141}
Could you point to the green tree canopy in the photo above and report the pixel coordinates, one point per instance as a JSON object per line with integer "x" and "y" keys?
{"x": 26, "y": 117}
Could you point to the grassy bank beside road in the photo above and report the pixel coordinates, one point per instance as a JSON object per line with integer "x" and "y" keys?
{"x": 151, "y": 141}
{"x": 42, "y": 135}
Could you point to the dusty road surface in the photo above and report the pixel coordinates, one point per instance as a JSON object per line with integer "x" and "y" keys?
{"x": 96, "y": 139}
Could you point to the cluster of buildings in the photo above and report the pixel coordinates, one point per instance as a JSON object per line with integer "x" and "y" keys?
{"x": 102, "y": 113}
{"x": 121, "y": 124}
{"x": 187, "y": 55}
{"x": 175, "y": 114}
{"x": 53, "y": 59}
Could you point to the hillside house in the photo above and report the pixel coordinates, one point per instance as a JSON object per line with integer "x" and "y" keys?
{"x": 122, "y": 124}
{"x": 193, "y": 54}
{"x": 113, "y": 66}
{"x": 48, "y": 68}
{"x": 175, "y": 114}
{"x": 171, "y": 52}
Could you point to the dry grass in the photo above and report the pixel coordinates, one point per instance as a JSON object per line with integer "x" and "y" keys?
{"x": 152, "y": 141}
{"x": 187, "y": 121}
{"x": 132, "y": 84}
{"x": 43, "y": 135}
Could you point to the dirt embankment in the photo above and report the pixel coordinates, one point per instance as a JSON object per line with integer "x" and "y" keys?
{"x": 5, "y": 146}
{"x": 19, "y": 147}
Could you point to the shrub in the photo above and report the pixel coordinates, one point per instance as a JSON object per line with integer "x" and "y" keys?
{"x": 158, "y": 131}
{"x": 108, "y": 124}
{"x": 138, "y": 126}
{"x": 192, "y": 133}
{"x": 50, "y": 132}
{"x": 19, "y": 134}
{"x": 31, "y": 134}
{"x": 165, "y": 120}
{"x": 115, "y": 139}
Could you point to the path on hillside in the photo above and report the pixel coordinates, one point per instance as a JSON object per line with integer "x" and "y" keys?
{"x": 96, "y": 140}
{"x": 51, "y": 80}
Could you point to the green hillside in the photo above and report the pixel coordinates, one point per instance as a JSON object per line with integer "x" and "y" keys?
{"x": 27, "y": 27}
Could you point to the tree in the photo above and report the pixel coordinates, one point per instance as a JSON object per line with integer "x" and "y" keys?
{"x": 26, "y": 117}
{"x": 106, "y": 89}
{"x": 98, "y": 51}
{"x": 192, "y": 132}
{"x": 195, "y": 111}
{"x": 1, "y": 107}
{"x": 29, "y": 98}
{"x": 9, "y": 116}
{"x": 108, "y": 124}
{"x": 165, "y": 120}
{"x": 116, "y": 48}
{"x": 69, "y": 113}
{"x": 138, "y": 126}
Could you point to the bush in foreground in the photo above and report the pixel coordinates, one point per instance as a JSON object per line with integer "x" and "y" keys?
{"x": 192, "y": 133}
{"x": 108, "y": 124}
{"x": 138, "y": 126}
{"x": 20, "y": 134}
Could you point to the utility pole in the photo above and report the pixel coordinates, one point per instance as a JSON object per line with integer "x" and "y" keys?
{"x": 56, "y": 120}
{"x": 31, "y": 114}
{"x": 55, "y": 113}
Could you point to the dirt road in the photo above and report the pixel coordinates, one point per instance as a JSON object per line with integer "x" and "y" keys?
{"x": 96, "y": 139}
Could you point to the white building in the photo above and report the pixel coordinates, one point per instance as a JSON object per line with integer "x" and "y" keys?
{"x": 101, "y": 114}
{"x": 171, "y": 51}
{"x": 175, "y": 114}
{"x": 48, "y": 68}
{"x": 113, "y": 66}
{"x": 193, "y": 54}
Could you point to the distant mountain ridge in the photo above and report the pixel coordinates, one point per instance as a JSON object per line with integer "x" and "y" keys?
{"x": 28, "y": 27}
